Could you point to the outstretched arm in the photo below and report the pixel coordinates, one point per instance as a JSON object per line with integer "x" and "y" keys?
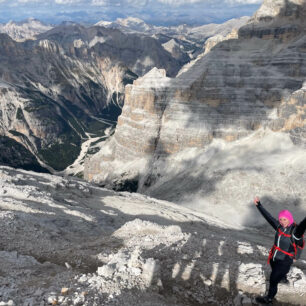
{"x": 272, "y": 221}
{"x": 300, "y": 229}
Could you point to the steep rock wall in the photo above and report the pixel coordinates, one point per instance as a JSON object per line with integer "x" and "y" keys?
{"x": 224, "y": 129}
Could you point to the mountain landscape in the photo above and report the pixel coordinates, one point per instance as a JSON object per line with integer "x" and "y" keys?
{"x": 131, "y": 154}
{"x": 68, "y": 84}
{"x": 68, "y": 242}
{"x": 24, "y": 30}
{"x": 62, "y": 87}
{"x": 197, "y": 34}
{"x": 236, "y": 117}
{"x": 178, "y": 40}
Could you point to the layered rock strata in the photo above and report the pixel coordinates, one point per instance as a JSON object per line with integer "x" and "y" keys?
{"x": 242, "y": 86}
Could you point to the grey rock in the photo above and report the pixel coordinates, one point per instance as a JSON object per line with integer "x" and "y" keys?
{"x": 241, "y": 87}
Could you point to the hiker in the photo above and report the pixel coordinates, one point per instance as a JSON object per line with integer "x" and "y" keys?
{"x": 287, "y": 247}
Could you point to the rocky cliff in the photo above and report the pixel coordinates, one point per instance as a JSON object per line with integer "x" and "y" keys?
{"x": 242, "y": 102}
{"x": 68, "y": 84}
{"x": 21, "y": 31}
{"x": 183, "y": 42}
{"x": 48, "y": 98}
{"x": 139, "y": 53}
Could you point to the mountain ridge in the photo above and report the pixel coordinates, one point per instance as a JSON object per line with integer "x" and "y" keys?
{"x": 245, "y": 90}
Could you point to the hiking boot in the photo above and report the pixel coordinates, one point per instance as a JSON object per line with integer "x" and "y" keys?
{"x": 284, "y": 281}
{"x": 264, "y": 300}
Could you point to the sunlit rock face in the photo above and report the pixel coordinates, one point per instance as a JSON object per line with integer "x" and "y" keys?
{"x": 138, "y": 52}
{"x": 183, "y": 42}
{"x": 242, "y": 87}
{"x": 56, "y": 86}
{"x": 48, "y": 98}
{"x": 21, "y": 31}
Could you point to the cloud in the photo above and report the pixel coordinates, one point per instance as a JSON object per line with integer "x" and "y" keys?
{"x": 67, "y": 1}
{"x": 161, "y": 12}
{"x": 100, "y": 2}
{"x": 174, "y": 3}
{"x": 181, "y": 2}
{"x": 28, "y": 1}
{"x": 133, "y": 3}
{"x": 244, "y": 1}
{"x": 49, "y": 1}
{"x": 138, "y": 2}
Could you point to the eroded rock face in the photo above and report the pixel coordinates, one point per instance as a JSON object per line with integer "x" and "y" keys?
{"x": 54, "y": 88}
{"x": 138, "y": 52}
{"x": 245, "y": 84}
{"x": 280, "y": 19}
{"x": 21, "y": 31}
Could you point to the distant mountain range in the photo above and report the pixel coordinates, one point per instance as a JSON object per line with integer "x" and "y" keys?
{"x": 231, "y": 124}
{"x": 59, "y": 85}
{"x": 194, "y": 33}
{"x": 189, "y": 39}
{"x": 68, "y": 82}
{"x": 27, "y": 29}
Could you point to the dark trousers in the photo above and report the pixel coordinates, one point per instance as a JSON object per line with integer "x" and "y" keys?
{"x": 280, "y": 268}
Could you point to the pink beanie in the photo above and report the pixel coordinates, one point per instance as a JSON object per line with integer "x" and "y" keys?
{"x": 286, "y": 214}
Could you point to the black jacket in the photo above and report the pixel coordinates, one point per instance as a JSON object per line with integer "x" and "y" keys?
{"x": 281, "y": 241}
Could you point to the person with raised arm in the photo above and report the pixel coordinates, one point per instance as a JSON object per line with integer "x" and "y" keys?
{"x": 287, "y": 247}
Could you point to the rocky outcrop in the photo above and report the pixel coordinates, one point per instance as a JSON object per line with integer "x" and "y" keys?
{"x": 68, "y": 82}
{"x": 280, "y": 19}
{"x": 21, "y": 31}
{"x": 15, "y": 155}
{"x": 139, "y": 53}
{"x": 183, "y": 42}
{"x": 48, "y": 100}
{"x": 197, "y": 34}
{"x": 68, "y": 242}
{"x": 243, "y": 87}
{"x": 175, "y": 49}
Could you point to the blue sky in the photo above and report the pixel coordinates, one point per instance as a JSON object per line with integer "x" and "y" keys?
{"x": 163, "y": 12}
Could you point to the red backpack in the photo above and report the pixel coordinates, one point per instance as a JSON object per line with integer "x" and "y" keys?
{"x": 298, "y": 248}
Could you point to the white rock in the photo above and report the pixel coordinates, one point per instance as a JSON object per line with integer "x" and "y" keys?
{"x": 106, "y": 271}
{"x": 136, "y": 271}
{"x": 79, "y": 300}
{"x": 8, "y": 303}
{"x": 51, "y": 299}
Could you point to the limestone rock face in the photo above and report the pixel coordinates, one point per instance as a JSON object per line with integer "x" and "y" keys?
{"x": 279, "y": 19}
{"x": 183, "y": 42}
{"x": 21, "y": 31}
{"x": 15, "y": 155}
{"x": 138, "y": 52}
{"x": 49, "y": 98}
{"x": 54, "y": 88}
{"x": 245, "y": 86}
{"x": 271, "y": 9}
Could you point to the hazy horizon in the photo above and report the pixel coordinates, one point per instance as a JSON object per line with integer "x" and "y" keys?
{"x": 156, "y": 12}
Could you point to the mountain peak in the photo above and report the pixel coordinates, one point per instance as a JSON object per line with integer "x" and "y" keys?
{"x": 154, "y": 78}
{"x": 128, "y": 20}
{"x": 270, "y": 9}
{"x": 23, "y": 30}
